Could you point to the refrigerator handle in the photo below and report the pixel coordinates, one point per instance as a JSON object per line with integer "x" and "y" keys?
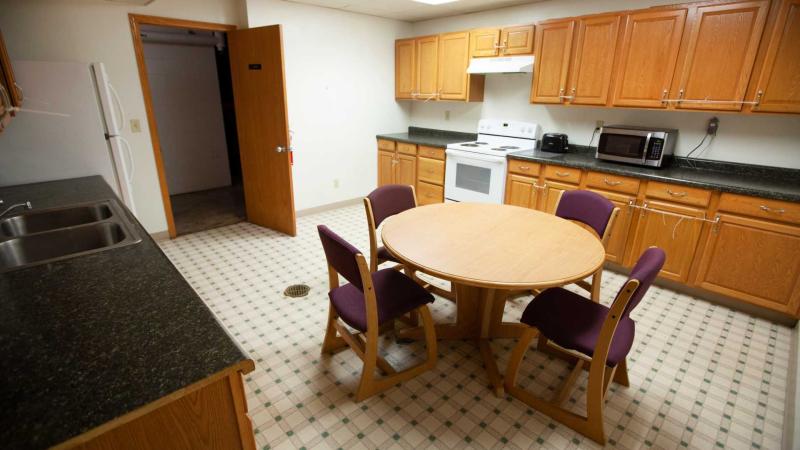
{"x": 119, "y": 106}
{"x": 131, "y": 165}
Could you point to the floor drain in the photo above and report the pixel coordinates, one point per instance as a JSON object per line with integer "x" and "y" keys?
{"x": 297, "y": 290}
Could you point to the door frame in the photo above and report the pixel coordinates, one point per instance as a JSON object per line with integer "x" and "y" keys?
{"x": 136, "y": 21}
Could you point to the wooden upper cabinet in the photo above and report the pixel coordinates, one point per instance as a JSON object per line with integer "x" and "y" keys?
{"x": 404, "y": 68}
{"x": 553, "y": 45}
{"x": 516, "y": 40}
{"x": 453, "y": 61}
{"x": 484, "y": 42}
{"x": 427, "y": 53}
{"x": 648, "y": 55}
{"x": 777, "y": 87}
{"x": 718, "y": 55}
{"x": 592, "y": 66}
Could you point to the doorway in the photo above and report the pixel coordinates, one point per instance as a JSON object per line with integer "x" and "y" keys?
{"x": 212, "y": 146}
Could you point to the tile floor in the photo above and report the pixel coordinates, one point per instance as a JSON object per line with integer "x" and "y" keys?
{"x": 702, "y": 375}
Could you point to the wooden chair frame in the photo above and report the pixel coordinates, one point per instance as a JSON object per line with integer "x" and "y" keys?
{"x": 365, "y": 345}
{"x": 600, "y": 375}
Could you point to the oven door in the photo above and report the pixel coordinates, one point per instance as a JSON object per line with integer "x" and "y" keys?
{"x": 617, "y": 144}
{"x": 472, "y": 177}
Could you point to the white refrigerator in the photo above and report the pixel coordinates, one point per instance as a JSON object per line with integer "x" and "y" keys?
{"x": 69, "y": 126}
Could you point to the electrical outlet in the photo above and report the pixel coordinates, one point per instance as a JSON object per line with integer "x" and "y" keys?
{"x": 136, "y": 126}
{"x": 336, "y": 183}
{"x": 598, "y": 124}
{"x": 447, "y": 115}
{"x": 713, "y": 126}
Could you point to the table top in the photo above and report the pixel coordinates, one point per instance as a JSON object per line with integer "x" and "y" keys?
{"x": 494, "y": 246}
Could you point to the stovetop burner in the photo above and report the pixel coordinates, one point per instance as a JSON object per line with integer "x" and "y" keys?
{"x": 470, "y": 145}
{"x": 481, "y": 143}
{"x": 509, "y": 147}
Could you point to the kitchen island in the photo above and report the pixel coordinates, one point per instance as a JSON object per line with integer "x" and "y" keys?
{"x": 113, "y": 349}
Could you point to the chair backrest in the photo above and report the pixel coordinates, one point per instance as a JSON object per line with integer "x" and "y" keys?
{"x": 587, "y": 207}
{"x": 389, "y": 200}
{"x": 645, "y": 270}
{"x": 341, "y": 255}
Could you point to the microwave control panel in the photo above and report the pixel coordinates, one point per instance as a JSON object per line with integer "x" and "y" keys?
{"x": 656, "y": 146}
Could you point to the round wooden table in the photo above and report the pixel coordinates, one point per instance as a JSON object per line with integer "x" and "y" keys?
{"x": 487, "y": 251}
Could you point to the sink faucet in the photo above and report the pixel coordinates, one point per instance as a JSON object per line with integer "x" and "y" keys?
{"x": 27, "y": 205}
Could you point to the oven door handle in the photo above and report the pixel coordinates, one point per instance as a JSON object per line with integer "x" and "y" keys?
{"x": 474, "y": 156}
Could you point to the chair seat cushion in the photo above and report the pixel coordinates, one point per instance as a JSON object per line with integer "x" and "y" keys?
{"x": 396, "y": 294}
{"x": 574, "y": 322}
{"x": 384, "y": 255}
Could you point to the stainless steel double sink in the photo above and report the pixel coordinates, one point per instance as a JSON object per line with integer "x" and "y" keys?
{"x": 40, "y": 237}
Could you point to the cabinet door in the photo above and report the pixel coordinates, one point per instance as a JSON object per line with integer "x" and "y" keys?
{"x": 718, "y": 59}
{"x": 779, "y": 80}
{"x": 386, "y": 163}
{"x": 553, "y": 45}
{"x": 428, "y": 194}
{"x": 406, "y": 170}
{"x": 521, "y": 191}
{"x": 677, "y": 233}
{"x": 517, "y": 40}
{"x": 754, "y": 260}
{"x": 453, "y": 61}
{"x": 404, "y": 73}
{"x": 427, "y": 66}
{"x": 615, "y": 249}
{"x": 590, "y": 74}
{"x": 552, "y": 192}
{"x": 484, "y": 42}
{"x": 647, "y": 58}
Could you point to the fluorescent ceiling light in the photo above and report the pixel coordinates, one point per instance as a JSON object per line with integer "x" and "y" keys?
{"x": 435, "y": 2}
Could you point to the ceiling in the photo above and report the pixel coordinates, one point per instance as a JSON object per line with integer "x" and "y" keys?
{"x": 409, "y": 10}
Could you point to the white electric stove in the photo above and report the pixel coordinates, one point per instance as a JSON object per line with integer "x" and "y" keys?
{"x": 476, "y": 170}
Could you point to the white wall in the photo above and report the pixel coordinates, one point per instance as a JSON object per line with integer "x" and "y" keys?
{"x": 96, "y": 30}
{"x": 186, "y": 101}
{"x": 768, "y": 140}
{"x": 340, "y": 88}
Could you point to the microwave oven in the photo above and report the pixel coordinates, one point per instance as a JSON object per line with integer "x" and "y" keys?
{"x": 645, "y": 146}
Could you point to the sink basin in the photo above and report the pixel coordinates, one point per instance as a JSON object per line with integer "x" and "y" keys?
{"x": 38, "y": 221}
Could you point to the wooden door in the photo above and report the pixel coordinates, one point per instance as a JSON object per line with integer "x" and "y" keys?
{"x": 427, "y": 67}
{"x": 517, "y": 40}
{"x": 521, "y": 191}
{"x": 590, "y": 74}
{"x": 677, "y": 235}
{"x": 647, "y": 58}
{"x": 259, "y": 92}
{"x": 615, "y": 249}
{"x": 405, "y": 170}
{"x": 484, "y": 42}
{"x": 453, "y": 62}
{"x": 778, "y": 85}
{"x": 7, "y": 72}
{"x": 754, "y": 260}
{"x": 553, "y": 45}
{"x": 404, "y": 73}
{"x": 552, "y": 193}
{"x": 386, "y": 170}
{"x": 718, "y": 59}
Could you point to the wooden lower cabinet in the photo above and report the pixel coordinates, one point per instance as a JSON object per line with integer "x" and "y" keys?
{"x": 419, "y": 166}
{"x": 428, "y": 193}
{"x": 406, "y": 170}
{"x": 754, "y": 260}
{"x": 552, "y": 192}
{"x": 617, "y": 242}
{"x": 677, "y": 233}
{"x": 521, "y": 191}
{"x": 386, "y": 163}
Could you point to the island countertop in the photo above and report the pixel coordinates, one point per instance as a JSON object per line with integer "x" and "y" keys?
{"x": 89, "y": 339}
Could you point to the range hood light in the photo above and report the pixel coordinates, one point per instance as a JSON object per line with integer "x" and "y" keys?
{"x": 502, "y": 64}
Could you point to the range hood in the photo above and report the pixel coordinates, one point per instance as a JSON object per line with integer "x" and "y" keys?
{"x": 502, "y": 64}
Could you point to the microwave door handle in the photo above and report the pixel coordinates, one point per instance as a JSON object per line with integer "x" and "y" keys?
{"x": 646, "y": 147}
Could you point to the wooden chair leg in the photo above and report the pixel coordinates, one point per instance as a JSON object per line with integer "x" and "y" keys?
{"x": 516, "y": 357}
{"x": 621, "y": 376}
{"x": 597, "y": 279}
{"x": 331, "y": 343}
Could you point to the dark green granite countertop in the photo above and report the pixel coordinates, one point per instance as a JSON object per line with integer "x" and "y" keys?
{"x": 761, "y": 181}
{"x": 429, "y": 137}
{"x": 89, "y": 339}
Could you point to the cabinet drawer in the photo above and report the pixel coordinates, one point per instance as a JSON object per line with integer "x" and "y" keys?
{"x": 563, "y": 174}
{"x": 407, "y": 149}
{"x": 614, "y": 183}
{"x": 430, "y": 170}
{"x": 429, "y": 193}
{"x": 760, "y": 207}
{"x": 383, "y": 144}
{"x": 678, "y": 194}
{"x": 523, "y": 167}
{"x": 431, "y": 152}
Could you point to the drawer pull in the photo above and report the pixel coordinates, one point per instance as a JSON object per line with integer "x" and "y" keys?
{"x": 676, "y": 194}
{"x": 766, "y": 208}
{"x": 562, "y": 174}
{"x": 536, "y": 186}
{"x": 524, "y": 168}
{"x": 611, "y": 183}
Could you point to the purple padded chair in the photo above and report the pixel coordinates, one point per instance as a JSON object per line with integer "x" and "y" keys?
{"x": 591, "y": 333}
{"x": 369, "y": 300}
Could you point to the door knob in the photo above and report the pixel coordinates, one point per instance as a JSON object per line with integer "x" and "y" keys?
{"x": 281, "y": 149}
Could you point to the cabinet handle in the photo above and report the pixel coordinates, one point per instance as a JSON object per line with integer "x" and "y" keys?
{"x": 564, "y": 97}
{"x": 536, "y": 186}
{"x": 562, "y": 174}
{"x": 677, "y": 194}
{"x": 524, "y": 168}
{"x": 611, "y": 183}
{"x": 766, "y": 208}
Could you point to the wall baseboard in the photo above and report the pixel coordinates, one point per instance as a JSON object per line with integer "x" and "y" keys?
{"x": 328, "y": 207}
{"x": 160, "y": 235}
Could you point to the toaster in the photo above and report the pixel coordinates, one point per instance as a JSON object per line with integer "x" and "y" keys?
{"x": 555, "y": 142}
